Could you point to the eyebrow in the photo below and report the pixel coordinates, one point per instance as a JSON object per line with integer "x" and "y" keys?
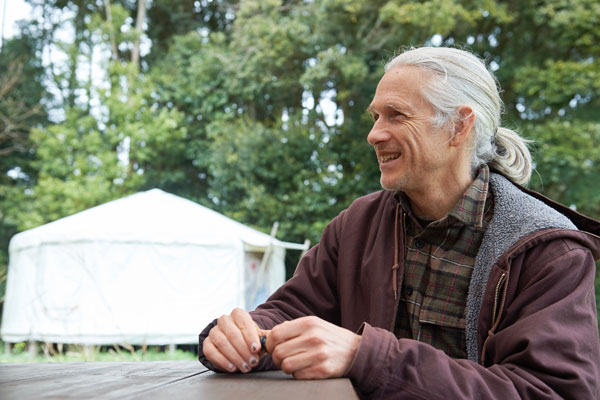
{"x": 401, "y": 108}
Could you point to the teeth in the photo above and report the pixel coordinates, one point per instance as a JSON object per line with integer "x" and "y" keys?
{"x": 388, "y": 157}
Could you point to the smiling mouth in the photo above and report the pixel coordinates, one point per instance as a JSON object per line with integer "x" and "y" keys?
{"x": 384, "y": 158}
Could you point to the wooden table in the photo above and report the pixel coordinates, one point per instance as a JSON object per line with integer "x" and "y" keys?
{"x": 170, "y": 380}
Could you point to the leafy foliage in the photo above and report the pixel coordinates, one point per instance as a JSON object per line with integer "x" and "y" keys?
{"x": 257, "y": 108}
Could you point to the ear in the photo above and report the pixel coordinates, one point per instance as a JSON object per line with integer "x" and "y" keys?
{"x": 464, "y": 125}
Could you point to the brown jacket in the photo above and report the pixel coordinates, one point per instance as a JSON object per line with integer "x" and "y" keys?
{"x": 531, "y": 312}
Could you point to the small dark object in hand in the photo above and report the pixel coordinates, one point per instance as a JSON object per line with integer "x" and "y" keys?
{"x": 263, "y": 343}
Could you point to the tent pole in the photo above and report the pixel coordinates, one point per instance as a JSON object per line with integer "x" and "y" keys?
{"x": 263, "y": 264}
{"x": 32, "y": 347}
{"x": 307, "y": 247}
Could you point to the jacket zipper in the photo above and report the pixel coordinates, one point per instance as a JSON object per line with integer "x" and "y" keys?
{"x": 397, "y": 297}
{"x": 499, "y": 298}
{"x": 496, "y": 298}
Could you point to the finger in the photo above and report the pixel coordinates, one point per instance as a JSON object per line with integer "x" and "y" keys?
{"x": 248, "y": 328}
{"x": 224, "y": 344}
{"x": 217, "y": 359}
{"x": 284, "y": 332}
{"x": 298, "y": 362}
{"x": 236, "y": 339}
{"x": 306, "y": 365}
{"x": 287, "y": 349}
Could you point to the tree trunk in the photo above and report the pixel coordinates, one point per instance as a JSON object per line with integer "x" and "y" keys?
{"x": 113, "y": 43}
{"x": 139, "y": 27}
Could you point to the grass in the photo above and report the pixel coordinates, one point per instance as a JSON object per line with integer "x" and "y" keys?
{"x": 74, "y": 353}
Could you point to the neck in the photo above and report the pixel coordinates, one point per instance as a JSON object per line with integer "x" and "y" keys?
{"x": 440, "y": 196}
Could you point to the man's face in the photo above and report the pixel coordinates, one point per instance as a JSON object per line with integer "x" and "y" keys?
{"x": 412, "y": 154}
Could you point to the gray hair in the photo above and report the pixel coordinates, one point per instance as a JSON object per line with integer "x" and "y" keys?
{"x": 462, "y": 79}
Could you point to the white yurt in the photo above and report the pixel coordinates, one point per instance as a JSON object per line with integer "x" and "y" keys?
{"x": 151, "y": 268}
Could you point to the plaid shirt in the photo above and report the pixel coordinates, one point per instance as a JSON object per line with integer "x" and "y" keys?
{"x": 438, "y": 262}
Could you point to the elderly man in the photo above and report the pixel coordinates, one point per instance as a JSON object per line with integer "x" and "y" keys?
{"x": 453, "y": 282}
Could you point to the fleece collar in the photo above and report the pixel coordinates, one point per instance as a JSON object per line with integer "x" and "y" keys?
{"x": 516, "y": 216}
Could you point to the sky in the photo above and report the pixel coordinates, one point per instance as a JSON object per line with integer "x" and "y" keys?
{"x": 10, "y": 12}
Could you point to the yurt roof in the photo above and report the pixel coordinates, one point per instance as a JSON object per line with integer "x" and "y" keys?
{"x": 152, "y": 216}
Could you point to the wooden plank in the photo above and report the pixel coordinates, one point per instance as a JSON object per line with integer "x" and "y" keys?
{"x": 91, "y": 380}
{"x": 157, "y": 380}
{"x": 25, "y": 371}
{"x": 259, "y": 385}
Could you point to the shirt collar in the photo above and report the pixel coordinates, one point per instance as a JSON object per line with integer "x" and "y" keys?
{"x": 470, "y": 208}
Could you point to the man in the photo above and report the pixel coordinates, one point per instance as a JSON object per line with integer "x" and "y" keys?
{"x": 454, "y": 282}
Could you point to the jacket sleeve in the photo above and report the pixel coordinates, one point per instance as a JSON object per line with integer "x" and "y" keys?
{"x": 546, "y": 346}
{"x": 311, "y": 291}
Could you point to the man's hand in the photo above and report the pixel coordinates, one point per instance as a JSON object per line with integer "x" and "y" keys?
{"x": 234, "y": 343}
{"x": 311, "y": 348}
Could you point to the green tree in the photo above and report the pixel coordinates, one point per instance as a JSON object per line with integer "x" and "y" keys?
{"x": 21, "y": 92}
{"x": 171, "y": 18}
{"x": 277, "y": 66}
{"x": 91, "y": 158}
{"x": 257, "y": 108}
{"x": 280, "y": 61}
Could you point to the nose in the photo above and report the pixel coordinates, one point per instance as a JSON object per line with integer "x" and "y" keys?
{"x": 378, "y": 133}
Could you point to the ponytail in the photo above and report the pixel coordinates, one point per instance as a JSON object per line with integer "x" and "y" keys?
{"x": 512, "y": 157}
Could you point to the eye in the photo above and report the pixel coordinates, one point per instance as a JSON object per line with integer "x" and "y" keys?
{"x": 373, "y": 115}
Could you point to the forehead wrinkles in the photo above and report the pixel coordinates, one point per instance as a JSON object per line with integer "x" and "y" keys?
{"x": 403, "y": 85}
